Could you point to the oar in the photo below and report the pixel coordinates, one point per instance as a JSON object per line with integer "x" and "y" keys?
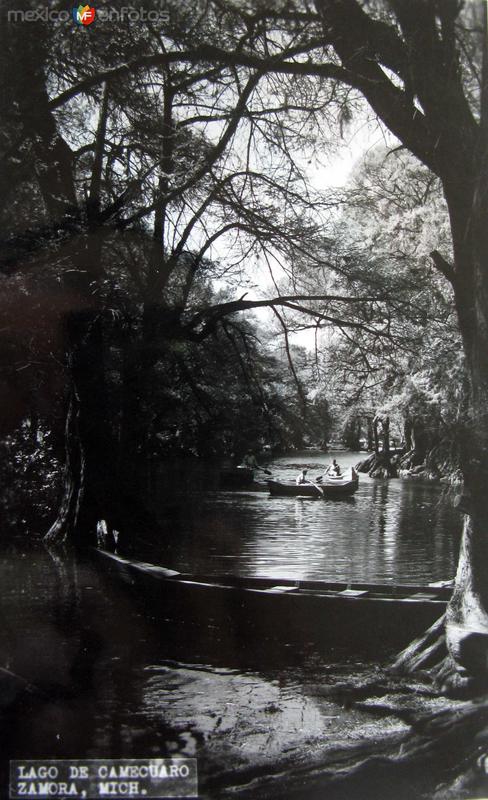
{"x": 266, "y": 471}
{"x": 319, "y": 488}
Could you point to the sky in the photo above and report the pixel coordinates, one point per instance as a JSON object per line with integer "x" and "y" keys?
{"x": 362, "y": 135}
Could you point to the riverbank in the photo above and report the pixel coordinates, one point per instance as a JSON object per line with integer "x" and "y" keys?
{"x": 401, "y": 464}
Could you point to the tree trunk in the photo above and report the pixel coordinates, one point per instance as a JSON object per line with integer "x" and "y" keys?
{"x": 408, "y": 434}
{"x": 376, "y": 435}
{"x": 135, "y": 422}
{"x": 370, "y": 434}
{"x": 90, "y": 493}
{"x": 467, "y": 614}
{"x": 140, "y": 414}
{"x": 69, "y": 506}
{"x": 386, "y": 437}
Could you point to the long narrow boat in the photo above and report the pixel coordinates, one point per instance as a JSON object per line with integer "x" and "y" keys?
{"x": 359, "y": 616}
{"x": 331, "y": 486}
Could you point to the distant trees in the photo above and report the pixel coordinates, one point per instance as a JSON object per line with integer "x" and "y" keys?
{"x": 393, "y": 215}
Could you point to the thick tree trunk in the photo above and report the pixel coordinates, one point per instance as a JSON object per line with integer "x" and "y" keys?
{"x": 467, "y": 615}
{"x": 68, "y": 511}
{"x": 140, "y": 414}
{"x": 134, "y": 457}
{"x": 90, "y": 493}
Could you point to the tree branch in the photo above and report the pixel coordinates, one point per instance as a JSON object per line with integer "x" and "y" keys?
{"x": 301, "y": 394}
{"x": 443, "y": 266}
{"x": 209, "y": 317}
{"x": 274, "y": 64}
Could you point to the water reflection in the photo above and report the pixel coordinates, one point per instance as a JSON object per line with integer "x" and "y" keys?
{"x": 390, "y": 531}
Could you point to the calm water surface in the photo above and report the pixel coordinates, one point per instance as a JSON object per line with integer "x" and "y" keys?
{"x": 389, "y": 531}
{"x": 107, "y": 677}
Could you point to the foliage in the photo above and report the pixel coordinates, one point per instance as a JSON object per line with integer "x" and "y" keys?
{"x": 30, "y": 478}
{"x": 393, "y": 216}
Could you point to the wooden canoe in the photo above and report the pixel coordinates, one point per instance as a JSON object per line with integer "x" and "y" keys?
{"x": 358, "y": 616}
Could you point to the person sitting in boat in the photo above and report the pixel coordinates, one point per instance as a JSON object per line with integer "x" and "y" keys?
{"x": 302, "y": 478}
{"x": 334, "y": 468}
{"x": 249, "y": 461}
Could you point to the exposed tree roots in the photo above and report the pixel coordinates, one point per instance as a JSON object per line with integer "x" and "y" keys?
{"x": 444, "y": 755}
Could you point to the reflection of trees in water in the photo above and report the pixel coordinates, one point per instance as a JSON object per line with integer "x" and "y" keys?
{"x": 80, "y": 643}
{"x": 387, "y": 520}
{"x": 412, "y": 517}
{"x": 54, "y": 650}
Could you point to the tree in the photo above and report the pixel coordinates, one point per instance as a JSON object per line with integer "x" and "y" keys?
{"x": 393, "y": 215}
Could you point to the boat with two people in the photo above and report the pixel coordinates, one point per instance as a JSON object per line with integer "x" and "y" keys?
{"x": 334, "y": 483}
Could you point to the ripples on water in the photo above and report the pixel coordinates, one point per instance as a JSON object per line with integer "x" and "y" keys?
{"x": 400, "y": 531}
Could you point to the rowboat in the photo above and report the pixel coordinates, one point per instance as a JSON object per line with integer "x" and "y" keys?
{"x": 331, "y": 486}
{"x": 357, "y": 616}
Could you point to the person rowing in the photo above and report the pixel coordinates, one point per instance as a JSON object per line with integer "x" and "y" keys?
{"x": 250, "y": 462}
{"x": 333, "y": 469}
{"x": 302, "y": 478}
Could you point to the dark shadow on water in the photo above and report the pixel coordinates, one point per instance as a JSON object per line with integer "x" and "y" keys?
{"x": 75, "y": 646}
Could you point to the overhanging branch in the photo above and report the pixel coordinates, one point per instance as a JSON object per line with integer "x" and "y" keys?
{"x": 205, "y": 53}
{"x": 207, "y": 319}
{"x": 443, "y": 266}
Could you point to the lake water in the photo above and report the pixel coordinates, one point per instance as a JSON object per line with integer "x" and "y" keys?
{"x": 401, "y": 530}
{"x": 107, "y": 677}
